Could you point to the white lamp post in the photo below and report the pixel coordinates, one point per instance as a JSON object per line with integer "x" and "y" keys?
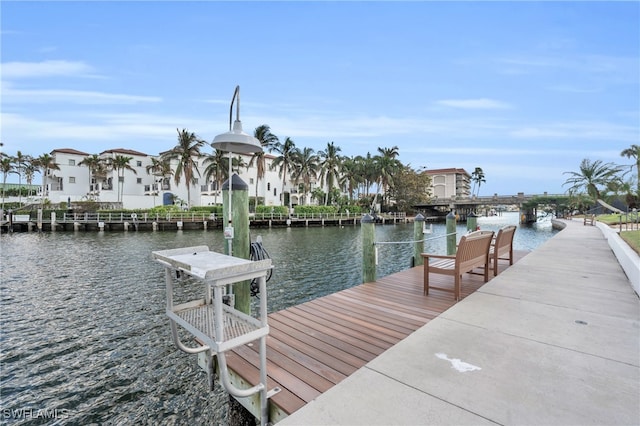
{"x": 235, "y": 140}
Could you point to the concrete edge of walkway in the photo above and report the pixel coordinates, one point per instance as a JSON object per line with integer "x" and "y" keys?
{"x": 629, "y": 260}
{"x": 627, "y": 257}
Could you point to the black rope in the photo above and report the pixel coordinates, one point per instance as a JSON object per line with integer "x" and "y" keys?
{"x": 258, "y": 252}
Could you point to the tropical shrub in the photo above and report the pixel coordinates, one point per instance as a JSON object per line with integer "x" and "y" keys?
{"x": 279, "y": 210}
{"x": 207, "y": 209}
{"x": 301, "y": 210}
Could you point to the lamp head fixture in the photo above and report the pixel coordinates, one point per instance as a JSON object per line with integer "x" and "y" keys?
{"x": 235, "y": 140}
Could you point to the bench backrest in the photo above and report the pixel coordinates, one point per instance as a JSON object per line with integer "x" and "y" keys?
{"x": 504, "y": 239}
{"x": 473, "y": 249}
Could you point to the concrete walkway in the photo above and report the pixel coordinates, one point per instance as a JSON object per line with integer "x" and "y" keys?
{"x": 553, "y": 340}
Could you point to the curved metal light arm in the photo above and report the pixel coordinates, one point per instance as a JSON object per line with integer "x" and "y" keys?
{"x": 236, "y": 94}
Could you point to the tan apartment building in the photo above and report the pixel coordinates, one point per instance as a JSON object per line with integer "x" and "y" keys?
{"x": 451, "y": 183}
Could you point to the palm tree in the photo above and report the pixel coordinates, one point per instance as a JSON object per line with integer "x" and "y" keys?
{"x": 7, "y": 167}
{"x": 634, "y": 152}
{"x": 305, "y": 169}
{"x": 237, "y": 163}
{"x": 159, "y": 169}
{"x": 120, "y": 163}
{"x": 593, "y": 177}
{"x": 387, "y": 165}
{"x": 352, "y": 175}
{"x": 29, "y": 173}
{"x": 93, "y": 163}
{"x": 268, "y": 141}
{"x": 478, "y": 178}
{"x": 367, "y": 169}
{"x": 284, "y": 162}
{"x": 184, "y": 152}
{"x": 45, "y": 162}
{"x": 330, "y": 163}
{"x": 21, "y": 160}
{"x": 215, "y": 168}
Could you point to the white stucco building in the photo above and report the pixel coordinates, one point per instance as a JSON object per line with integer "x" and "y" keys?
{"x": 137, "y": 189}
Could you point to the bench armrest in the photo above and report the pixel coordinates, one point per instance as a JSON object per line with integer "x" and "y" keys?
{"x": 438, "y": 256}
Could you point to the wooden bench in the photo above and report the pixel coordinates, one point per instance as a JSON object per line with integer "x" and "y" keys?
{"x": 502, "y": 247}
{"x": 590, "y": 220}
{"x": 472, "y": 252}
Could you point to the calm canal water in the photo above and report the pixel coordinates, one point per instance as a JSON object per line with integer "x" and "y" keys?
{"x": 84, "y": 337}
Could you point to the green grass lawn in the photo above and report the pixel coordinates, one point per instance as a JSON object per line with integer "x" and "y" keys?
{"x": 632, "y": 238}
{"x": 614, "y": 219}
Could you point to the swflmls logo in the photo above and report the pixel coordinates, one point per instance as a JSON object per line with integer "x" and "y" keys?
{"x": 31, "y": 413}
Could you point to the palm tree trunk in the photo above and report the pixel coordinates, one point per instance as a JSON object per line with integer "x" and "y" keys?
{"x": 255, "y": 204}
{"x": 19, "y": 185}
{"x": 4, "y": 184}
{"x": 283, "y": 180}
{"x": 44, "y": 174}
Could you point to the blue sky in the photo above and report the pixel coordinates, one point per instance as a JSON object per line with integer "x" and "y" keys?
{"x": 524, "y": 90}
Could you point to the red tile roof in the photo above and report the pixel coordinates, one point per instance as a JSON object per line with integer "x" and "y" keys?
{"x": 70, "y": 151}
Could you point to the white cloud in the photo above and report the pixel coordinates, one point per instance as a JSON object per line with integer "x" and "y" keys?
{"x": 85, "y": 131}
{"x": 482, "y": 103}
{"x": 31, "y": 96}
{"x": 15, "y": 70}
{"x": 495, "y": 152}
{"x": 590, "y": 130}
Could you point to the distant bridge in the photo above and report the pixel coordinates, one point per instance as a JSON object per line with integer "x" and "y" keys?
{"x": 493, "y": 200}
{"x": 439, "y": 207}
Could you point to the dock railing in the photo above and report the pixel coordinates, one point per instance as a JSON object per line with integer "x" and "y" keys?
{"x": 140, "y": 217}
{"x": 317, "y": 216}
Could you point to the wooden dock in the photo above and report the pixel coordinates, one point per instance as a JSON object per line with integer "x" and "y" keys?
{"x": 315, "y": 345}
{"x": 93, "y": 222}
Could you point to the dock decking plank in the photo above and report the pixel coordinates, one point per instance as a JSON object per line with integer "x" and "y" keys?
{"x": 329, "y": 314}
{"x": 334, "y": 335}
{"x": 317, "y": 366}
{"x": 394, "y": 323}
{"x": 317, "y": 344}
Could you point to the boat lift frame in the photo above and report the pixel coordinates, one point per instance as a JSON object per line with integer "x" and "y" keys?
{"x": 217, "y": 325}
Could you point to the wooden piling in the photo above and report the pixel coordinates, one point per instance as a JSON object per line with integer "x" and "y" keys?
{"x": 368, "y": 227}
{"x": 240, "y": 242}
{"x": 472, "y": 222}
{"x": 418, "y": 237}
{"x": 451, "y": 233}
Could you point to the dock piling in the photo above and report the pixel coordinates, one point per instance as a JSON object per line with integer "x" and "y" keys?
{"x": 418, "y": 237}
{"x": 451, "y": 233}
{"x": 368, "y": 248}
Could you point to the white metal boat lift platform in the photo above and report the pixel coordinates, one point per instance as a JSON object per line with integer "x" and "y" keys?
{"x": 217, "y": 325}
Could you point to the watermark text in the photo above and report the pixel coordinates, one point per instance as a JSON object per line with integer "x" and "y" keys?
{"x": 28, "y": 413}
